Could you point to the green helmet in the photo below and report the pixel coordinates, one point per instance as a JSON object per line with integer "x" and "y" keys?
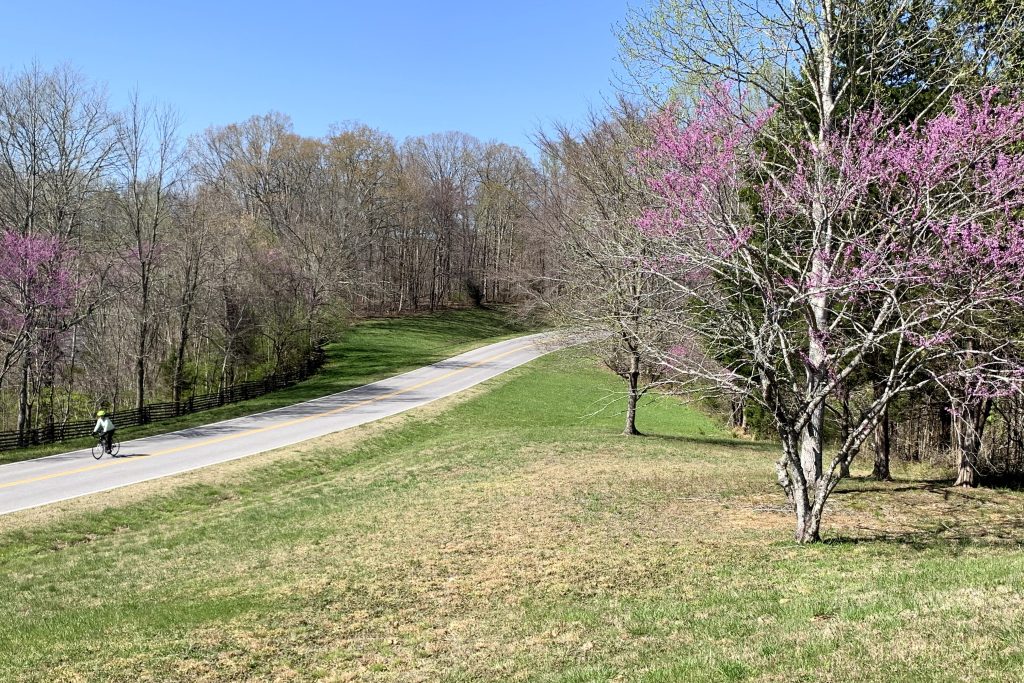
{"x": 101, "y": 413}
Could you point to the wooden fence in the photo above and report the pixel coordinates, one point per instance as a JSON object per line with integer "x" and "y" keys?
{"x": 161, "y": 411}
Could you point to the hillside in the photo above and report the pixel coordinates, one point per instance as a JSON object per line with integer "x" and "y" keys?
{"x": 512, "y": 534}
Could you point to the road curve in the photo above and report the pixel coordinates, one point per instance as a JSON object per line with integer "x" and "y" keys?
{"x": 42, "y": 481}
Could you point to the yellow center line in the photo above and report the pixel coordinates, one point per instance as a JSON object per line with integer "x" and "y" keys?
{"x": 257, "y": 430}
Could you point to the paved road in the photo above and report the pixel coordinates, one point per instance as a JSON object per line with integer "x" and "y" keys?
{"x": 68, "y": 475}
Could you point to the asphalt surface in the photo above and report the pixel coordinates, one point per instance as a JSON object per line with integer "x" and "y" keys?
{"x": 42, "y": 481}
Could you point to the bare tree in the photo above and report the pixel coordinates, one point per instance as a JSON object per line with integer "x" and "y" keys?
{"x": 500, "y": 204}
{"x": 149, "y": 168}
{"x": 589, "y": 201}
{"x": 195, "y": 218}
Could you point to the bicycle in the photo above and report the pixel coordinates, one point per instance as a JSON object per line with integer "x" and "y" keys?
{"x": 97, "y": 449}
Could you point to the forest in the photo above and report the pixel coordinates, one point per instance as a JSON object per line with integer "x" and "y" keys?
{"x": 139, "y": 266}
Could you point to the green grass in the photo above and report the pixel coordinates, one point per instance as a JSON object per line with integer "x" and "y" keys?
{"x": 369, "y": 351}
{"x": 516, "y": 536}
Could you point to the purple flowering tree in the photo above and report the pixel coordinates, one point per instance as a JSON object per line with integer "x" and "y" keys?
{"x": 37, "y": 292}
{"x": 798, "y": 268}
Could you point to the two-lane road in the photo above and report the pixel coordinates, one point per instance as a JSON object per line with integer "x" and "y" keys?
{"x": 68, "y": 475}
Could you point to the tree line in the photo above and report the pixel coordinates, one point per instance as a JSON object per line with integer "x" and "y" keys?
{"x": 137, "y": 265}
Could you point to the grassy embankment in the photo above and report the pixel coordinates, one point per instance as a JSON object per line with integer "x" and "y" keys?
{"x": 513, "y": 537}
{"x": 369, "y": 351}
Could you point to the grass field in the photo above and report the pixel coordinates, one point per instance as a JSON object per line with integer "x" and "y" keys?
{"x": 511, "y": 535}
{"x": 370, "y": 350}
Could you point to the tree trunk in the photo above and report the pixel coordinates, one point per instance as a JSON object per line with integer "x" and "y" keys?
{"x": 880, "y": 471}
{"x": 634, "y": 395}
{"x": 225, "y": 368}
{"x": 140, "y": 369}
{"x": 736, "y": 413}
{"x": 179, "y": 364}
{"x": 844, "y": 431}
{"x": 812, "y": 437}
{"x": 143, "y": 327}
{"x": 177, "y": 379}
{"x": 24, "y": 416}
{"x": 811, "y": 440}
{"x": 808, "y": 514}
{"x": 882, "y": 443}
{"x": 808, "y": 525}
{"x": 945, "y": 415}
{"x": 71, "y": 377}
{"x": 970, "y": 417}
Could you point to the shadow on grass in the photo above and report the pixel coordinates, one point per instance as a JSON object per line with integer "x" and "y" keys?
{"x": 946, "y": 532}
{"x": 867, "y": 484}
{"x": 943, "y": 486}
{"x": 950, "y": 539}
{"x": 741, "y": 444}
{"x": 1006, "y": 482}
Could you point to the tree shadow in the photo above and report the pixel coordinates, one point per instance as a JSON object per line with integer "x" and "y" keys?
{"x": 868, "y": 484}
{"x": 941, "y": 486}
{"x": 953, "y": 539}
{"x": 759, "y": 446}
{"x": 1004, "y": 482}
{"x": 949, "y": 532}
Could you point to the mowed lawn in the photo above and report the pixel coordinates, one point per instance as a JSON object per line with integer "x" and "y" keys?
{"x": 515, "y": 536}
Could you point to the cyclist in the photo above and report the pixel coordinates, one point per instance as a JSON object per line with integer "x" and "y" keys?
{"x": 105, "y": 426}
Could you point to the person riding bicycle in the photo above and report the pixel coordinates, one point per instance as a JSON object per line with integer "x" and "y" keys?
{"x": 105, "y": 426}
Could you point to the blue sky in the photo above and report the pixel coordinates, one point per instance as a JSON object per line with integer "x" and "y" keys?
{"x": 496, "y": 70}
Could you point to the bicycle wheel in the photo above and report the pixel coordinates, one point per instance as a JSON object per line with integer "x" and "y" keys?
{"x": 115, "y": 448}
{"x": 97, "y": 450}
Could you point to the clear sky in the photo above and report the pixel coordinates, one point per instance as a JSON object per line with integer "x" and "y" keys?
{"x": 496, "y": 70}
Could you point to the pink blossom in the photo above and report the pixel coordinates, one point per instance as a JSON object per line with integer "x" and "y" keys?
{"x": 34, "y": 279}
{"x": 905, "y": 234}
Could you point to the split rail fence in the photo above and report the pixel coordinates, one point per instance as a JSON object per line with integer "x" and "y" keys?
{"x": 155, "y": 412}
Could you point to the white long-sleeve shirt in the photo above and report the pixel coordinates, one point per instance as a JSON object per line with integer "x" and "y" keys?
{"x": 103, "y": 425}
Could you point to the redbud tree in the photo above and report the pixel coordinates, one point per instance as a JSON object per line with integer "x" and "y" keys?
{"x": 37, "y": 289}
{"x": 797, "y": 267}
